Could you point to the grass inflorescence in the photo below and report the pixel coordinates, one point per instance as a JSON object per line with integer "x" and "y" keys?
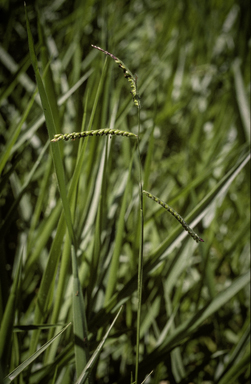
{"x": 98, "y": 132}
{"x": 176, "y": 215}
{"x": 127, "y": 73}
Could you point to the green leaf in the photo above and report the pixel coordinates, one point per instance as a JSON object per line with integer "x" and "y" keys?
{"x": 89, "y": 366}
{"x": 11, "y": 376}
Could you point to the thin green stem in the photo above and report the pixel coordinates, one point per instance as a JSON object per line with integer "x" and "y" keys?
{"x": 140, "y": 263}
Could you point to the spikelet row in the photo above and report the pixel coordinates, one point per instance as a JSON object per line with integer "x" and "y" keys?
{"x": 128, "y": 75}
{"x": 98, "y": 132}
{"x": 176, "y": 215}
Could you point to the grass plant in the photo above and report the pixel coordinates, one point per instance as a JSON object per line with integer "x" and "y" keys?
{"x": 98, "y": 284}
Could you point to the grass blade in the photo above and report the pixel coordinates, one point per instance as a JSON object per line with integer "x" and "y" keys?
{"x": 8, "y": 318}
{"x": 79, "y": 320}
{"x": 11, "y": 376}
{"x": 89, "y": 366}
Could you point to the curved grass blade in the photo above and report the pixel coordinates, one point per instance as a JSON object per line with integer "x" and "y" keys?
{"x": 27, "y": 362}
{"x": 176, "y": 215}
{"x": 97, "y": 132}
{"x": 128, "y": 75}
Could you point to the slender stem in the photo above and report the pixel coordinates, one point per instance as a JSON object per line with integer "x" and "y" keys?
{"x": 140, "y": 263}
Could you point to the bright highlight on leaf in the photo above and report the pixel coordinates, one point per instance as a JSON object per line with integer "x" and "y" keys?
{"x": 128, "y": 75}
{"x": 176, "y": 215}
{"x": 98, "y": 132}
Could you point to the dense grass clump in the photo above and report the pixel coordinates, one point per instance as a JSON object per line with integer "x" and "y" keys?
{"x": 97, "y": 283}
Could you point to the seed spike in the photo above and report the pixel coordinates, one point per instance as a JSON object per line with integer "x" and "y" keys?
{"x": 97, "y": 132}
{"x": 106, "y": 52}
{"x": 127, "y": 73}
{"x": 176, "y": 215}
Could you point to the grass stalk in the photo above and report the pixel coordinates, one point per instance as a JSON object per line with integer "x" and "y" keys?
{"x": 140, "y": 258}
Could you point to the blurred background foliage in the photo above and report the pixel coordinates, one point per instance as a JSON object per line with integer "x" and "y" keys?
{"x": 192, "y": 60}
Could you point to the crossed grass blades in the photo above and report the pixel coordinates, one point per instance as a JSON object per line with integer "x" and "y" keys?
{"x": 176, "y": 215}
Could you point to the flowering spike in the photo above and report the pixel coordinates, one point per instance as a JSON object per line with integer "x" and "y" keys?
{"x": 98, "y": 132}
{"x": 128, "y": 75}
{"x": 176, "y": 215}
